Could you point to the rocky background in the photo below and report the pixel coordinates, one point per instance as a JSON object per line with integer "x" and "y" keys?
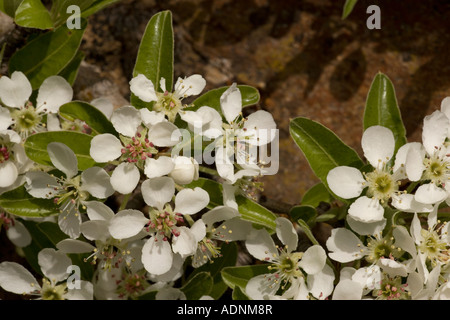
{"x": 302, "y": 57}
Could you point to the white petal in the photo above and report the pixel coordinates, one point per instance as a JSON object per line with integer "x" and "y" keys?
{"x": 434, "y": 132}
{"x": 74, "y": 246}
{"x": 348, "y": 290}
{"x": 430, "y": 194}
{"x": 344, "y": 245}
{"x": 105, "y": 147}
{"x": 393, "y": 268}
{"x": 321, "y": 284}
{"x": 404, "y": 240}
{"x": 414, "y": 165}
{"x": 365, "y": 209}
{"x": 84, "y": 292}
{"x": 286, "y": 233}
{"x": 231, "y": 103}
{"x": 15, "y": 91}
{"x": 185, "y": 244}
{"x": 8, "y": 173}
{"x": 157, "y": 256}
{"x": 164, "y": 134}
{"x": 408, "y": 203}
{"x": 54, "y": 264}
{"x": 63, "y": 158}
{"x": 41, "y": 185}
{"x": 235, "y": 229}
{"x": 378, "y": 144}
{"x": 125, "y": 178}
{"x": 97, "y": 182}
{"x": 53, "y": 93}
{"x": 190, "y": 86}
{"x": 190, "y": 201}
{"x": 402, "y": 155}
{"x": 185, "y": 170}
{"x": 53, "y": 123}
{"x": 259, "y": 288}
{"x": 16, "y": 279}
{"x": 346, "y": 182}
{"x": 104, "y": 105}
{"x": 143, "y": 88}
{"x": 95, "y": 230}
{"x": 5, "y": 118}
{"x": 219, "y": 213}
{"x": 366, "y": 228}
{"x": 260, "y": 245}
{"x": 313, "y": 260}
{"x": 175, "y": 272}
{"x": 198, "y": 229}
{"x": 368, "y": 277}
{"x": 158, "y": 191}
{"x": 18, "y": 234}
{"x": 127, "y": 223}
{"x": 126, "y": 120}
{"x": 261, "y": 127}
{"x": 158, "y": 167}
{"x": 97, "y": 210}
{"x": 229, "y": 195}
{"x": 150, "y": 118}
{"x": 69, "y": 221}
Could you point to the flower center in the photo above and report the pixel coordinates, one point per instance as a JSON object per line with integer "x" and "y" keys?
{"x": 4, "y": 154}
{"x": 169, "y": 104}
{"x": 382, "y": 248}
{"x": 138, "y": 149}
{"x": 392, "y": 289}
{"x": 27, "y": 121}
{"x": 436, "y": 170}
{"x": 131, "y": 285}
{"x": 434, "y": 247}
{"x": 381, "y": 185}
{"x": 50, "y": 292}
{"x": 165, "y": 222}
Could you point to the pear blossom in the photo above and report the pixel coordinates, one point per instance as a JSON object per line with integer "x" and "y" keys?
{"x": 238, "y": 137}
{"x": 382, "y": 183}
{"x": 72, "y": 189}
{"x": 19, "y": 112}
{"x": 134, "y": 147}
{"x": 295, "y": 273}
{"x": 54, "y": 265}
{"x": 170, "y": 103}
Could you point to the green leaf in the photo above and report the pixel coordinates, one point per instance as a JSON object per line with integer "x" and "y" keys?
{"x": 80, "y": 143}
{"x": 315, "y": 195}
{"x": 239, "y": 276}
{"x": 97, "y": 6}
{"x": 33, "y": 14}
{"x": 348, "y": 8}
{"x": 59, "y": 9}
{"x": 238, "y": 294}
{"x": 155, "y": 55}
{"x": 382, "y": 109}
{"x": 249, "y": 209}
{"x": 199, "y": 285}
{"x": 10, "y": 6}
{"x": 20, "y": 203}
{"x": 305, "y": 212}
{"x": 322, "y": 148}
{"x": 250, "y": 96}
{"x": 70, "y": 72}
{"x": 229, "y": 253}
{"x": 93, "y": 117}
{"x": 48, "y": 54}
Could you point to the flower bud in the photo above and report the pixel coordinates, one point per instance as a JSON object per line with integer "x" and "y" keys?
{"x": 185, "y": 170}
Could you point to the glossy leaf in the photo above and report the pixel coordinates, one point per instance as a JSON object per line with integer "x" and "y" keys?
{"x": 348, "y": 8}
{"x": 322, "y": 148}
{"x": 80, "y": 143}
{"x": 47, "y": 54}
{"x": 33, "y": 14}
{"x": 316, "y": 194}
{"x": 155, "y": 55}
{"x": 60, "y": 7}
{"x": 238, "y": 294}
{"x": 93, "y": 117}
{"x": 239, "y": 276}
{"x": 382, "y": 109}
{"x": 199, "y": 285}
{"x": 10, "y": 6}
{"x": 20, "y": 203}
{"x": 306, "y": 213}
{"x": 70, "y": 72}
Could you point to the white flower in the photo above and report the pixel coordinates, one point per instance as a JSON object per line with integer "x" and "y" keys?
{"x": 133, "y": 149}
{"x": 13, "y": 160}
{"x": 71, "y": 190}
{"x": 288, "y": 267}
{"x": 54, "y": 265}
{"x": 167, "y": 102}
{"x": 21, "y": 115}
{"x": 16, "y": 232}
{"x": 382, "y": 183}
